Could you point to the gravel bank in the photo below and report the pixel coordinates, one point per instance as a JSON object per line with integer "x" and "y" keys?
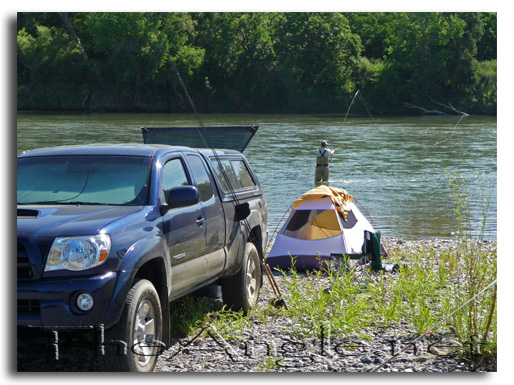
{"x": 266, "y": 344}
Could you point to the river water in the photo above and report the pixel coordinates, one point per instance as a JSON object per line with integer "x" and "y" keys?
{"x": 396, "y": 167}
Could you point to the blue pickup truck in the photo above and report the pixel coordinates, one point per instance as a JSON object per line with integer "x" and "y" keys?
{"x": 109, "y": 234}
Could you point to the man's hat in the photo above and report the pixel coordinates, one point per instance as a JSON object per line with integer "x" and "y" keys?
{"x": 324, "y": 143}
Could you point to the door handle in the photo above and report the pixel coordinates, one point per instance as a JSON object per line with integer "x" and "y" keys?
{"x": 200, "y": 221}
{"x": 179, "y": 256}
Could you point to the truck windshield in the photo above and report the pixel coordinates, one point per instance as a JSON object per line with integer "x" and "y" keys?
{"x": 99, "y": 180}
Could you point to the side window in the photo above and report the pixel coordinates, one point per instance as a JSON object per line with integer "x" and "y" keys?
{"x": 201, "y": 177}
{"x": 173, "y": 175}
{"x": 236, "y": 172}
{"x": 243, "y": 175}
{"x": 224, "y": 172}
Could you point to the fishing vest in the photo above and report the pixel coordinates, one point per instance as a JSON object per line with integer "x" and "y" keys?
{"x": 322, "y": 160}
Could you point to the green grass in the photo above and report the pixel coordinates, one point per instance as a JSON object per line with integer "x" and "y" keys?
{"x": 423, "y": 297}
{"x": 425, "y": 293}
{"x": 189, "y": 313}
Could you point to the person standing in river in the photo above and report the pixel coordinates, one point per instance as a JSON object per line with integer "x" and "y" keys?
{"x": 323, "y": 158}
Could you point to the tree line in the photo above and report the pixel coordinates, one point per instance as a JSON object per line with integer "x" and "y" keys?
{"x": 276, "y": 62}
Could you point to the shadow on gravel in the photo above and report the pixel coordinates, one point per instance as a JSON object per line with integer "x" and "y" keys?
{"x": 36, "y": 351}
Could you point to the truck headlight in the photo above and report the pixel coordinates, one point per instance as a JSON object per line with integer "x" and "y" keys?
{"x": 78, "y": 253}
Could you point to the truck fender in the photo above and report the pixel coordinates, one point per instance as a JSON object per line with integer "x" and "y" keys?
{"x": 141, "y": 252}
{"x": 236, "y": 259}
{"x": 255, "y": 222}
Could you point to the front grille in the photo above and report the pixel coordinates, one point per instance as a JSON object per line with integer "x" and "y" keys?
{"x": 28, "y": 306}
{"x": 23, "y": 263}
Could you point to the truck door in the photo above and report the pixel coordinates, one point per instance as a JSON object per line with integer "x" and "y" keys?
{"x": 214, "y": 227}
{"x": 184, "y": 229}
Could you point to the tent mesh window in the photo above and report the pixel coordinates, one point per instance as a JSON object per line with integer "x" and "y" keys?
{"x": 313, "y": 224}
{"x": 351, "y": 220}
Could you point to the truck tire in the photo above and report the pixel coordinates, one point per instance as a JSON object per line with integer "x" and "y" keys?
{"x": 241, "y": 291}
{"x": 140, "y": 327}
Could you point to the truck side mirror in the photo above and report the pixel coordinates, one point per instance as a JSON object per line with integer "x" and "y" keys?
{"x": 181, "y": 196}
{"x": 242, "y": 211}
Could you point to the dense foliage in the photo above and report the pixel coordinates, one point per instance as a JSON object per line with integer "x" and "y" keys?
{"x": 257, "y": 62}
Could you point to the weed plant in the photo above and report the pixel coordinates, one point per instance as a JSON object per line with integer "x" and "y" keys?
{"x": 423, "y": 297}
{"x": 475, "y": 270}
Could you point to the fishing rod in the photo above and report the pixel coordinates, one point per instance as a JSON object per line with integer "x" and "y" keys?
{"x": 276, "y": 227}
{"x": 350, "y": 106}
{"x": 205, "y": 137}
{"x": 453, "y": 132}
{"x": 369, "y": 113}
{"x": 363, "y": 102}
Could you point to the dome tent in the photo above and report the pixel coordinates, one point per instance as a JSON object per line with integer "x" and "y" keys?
{"x": 324, "y": 225}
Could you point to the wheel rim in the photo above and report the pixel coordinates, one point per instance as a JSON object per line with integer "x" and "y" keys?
{"x": 252, "y": 272}
{"x": 144, "y": 333}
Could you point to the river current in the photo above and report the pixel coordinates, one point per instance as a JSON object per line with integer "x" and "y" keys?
{"x": 397, "y": 168}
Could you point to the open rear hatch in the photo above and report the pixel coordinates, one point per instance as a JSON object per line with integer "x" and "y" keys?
{"x": 222, "y": 137}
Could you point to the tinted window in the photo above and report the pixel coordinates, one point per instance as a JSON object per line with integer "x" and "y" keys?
{"x": 107, "y": 180}
{"x": 224, "y": 172}
{"x": 235, "y": 172}
{"x": 203, "y": 183}
{"x": 243, "y": 175}
{"x": 173, "y": 175}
